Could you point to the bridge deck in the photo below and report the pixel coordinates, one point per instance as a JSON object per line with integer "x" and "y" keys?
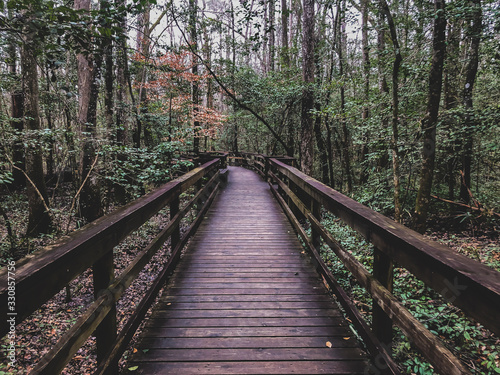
{"x": 246, "y": 300}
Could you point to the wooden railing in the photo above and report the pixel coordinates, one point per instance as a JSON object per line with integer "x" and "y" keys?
{"x": 41, "y": 276}
{"x": 466, "y": 283}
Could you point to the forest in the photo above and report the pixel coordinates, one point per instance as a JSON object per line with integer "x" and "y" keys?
{"x": 395, "y": 104}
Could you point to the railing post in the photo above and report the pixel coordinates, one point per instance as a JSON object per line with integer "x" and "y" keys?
{"x": 316, "y": 212}
{"x": 383, "y": 272}
{"x": 105, "y": 332}
{"x": 266, "y": 168}
{"x": 176, "y": 234}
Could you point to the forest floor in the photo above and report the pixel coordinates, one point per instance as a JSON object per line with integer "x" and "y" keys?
{"x": 37, "y": 334}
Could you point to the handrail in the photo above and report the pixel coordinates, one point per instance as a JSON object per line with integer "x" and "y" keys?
{"x": 40, "y": 276}
{"x": 468, "y": 284}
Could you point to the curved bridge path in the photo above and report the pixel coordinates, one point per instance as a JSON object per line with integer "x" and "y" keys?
{"x": 246, "y": 300}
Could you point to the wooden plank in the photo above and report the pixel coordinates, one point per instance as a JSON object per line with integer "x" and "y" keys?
{"x": 248, "y": 342}
{"x": 247, "y": 331}
{"x": 258, "y": 305}
{"x": 249, "y": 313}
{"x": 247, "y": 298}
{"x": 158, "y": 320}
{"x": 260, "y": 354}
{"x": 254, "y": 368}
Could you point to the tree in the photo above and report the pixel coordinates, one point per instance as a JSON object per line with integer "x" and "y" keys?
{"x": 17, "y": 123}
{"x": 472, "y": 58}
{"x": 429, "y": 122}
{"x": 395, "y": 109}
{"x": 39, "y": 220}
{"x": 193, "y": 34}
{"x": 88, "y": 72}
{"x": 307, "y": 120}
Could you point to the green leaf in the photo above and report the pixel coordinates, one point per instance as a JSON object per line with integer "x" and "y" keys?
{"x": 133, "y": 368}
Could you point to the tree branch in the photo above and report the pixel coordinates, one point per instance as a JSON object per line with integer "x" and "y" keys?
{"x": 228, "y": 92}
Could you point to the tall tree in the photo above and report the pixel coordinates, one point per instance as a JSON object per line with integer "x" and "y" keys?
{"x": 451, "y": 99}
{"x": 195, "y": 91}
{"x": 143, "y": 46}
{"x": 307, "y": 120}
{"x": 395, "y": 109}
{"x": 39, "y": 220}
{"x": 341, "y": 53}
{"x": 430, "y": 120}
{"x": 16, "y": 114}
{"x": 366, "y": 86}
{"x": 285, "y": 58}
{"x": 474, "y": 30}
{"x": 88, "y": 89}
{"x": 272, "y": 35}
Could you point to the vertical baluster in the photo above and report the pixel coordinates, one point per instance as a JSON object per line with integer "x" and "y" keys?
{"x": 176, "y": 234}
{"x": 106, "y": 332}
{"x": 383, "y": 272}
{"x": 316, "y": 212}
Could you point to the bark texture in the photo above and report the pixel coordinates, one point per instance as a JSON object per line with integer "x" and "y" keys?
{"x": 430, "y": 121}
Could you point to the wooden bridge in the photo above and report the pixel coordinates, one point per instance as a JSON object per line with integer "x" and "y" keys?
{"x": 245, "y": 296}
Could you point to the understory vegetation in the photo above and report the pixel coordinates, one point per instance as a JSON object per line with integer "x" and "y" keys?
{"x": 477, "y": 347}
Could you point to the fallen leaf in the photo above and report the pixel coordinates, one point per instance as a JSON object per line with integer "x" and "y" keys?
{"x": 135, "y": 350}
{"x": 329, "y": 344}
{"x": 346, "y": 338}
{"x": 133, "y": 368}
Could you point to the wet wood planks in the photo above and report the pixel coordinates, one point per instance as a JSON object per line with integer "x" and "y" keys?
{"x": 246, "y": 300}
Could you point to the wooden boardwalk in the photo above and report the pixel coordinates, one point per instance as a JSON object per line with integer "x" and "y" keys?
{"x": 246, "y": 300}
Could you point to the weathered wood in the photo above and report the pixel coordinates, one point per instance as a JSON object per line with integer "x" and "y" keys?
{"x": 49, "y": 270}
{"x": 269, "y": 367}
{"x": 385, "y": 364}
{"x": 98, "y": 313}
{"x": 133, "y": 323}
{"x": 176, "y": 232}
{"x": 383, "y": 272}
{"x": 106, "y": 331}
{"x": 423, "y": 339}
{"x": 252, "y": 289}
{"x": 468, "y": 284}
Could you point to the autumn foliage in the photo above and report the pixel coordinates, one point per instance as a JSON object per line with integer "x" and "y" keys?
{"x": 168, "y": 92}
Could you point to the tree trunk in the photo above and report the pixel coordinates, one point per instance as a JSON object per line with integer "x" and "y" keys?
{"x": 395, "y": 110}
{"x": 39, "y": 220}
{"x": 285, "y": 58}
{"x": 143, "y": 45}
{"x": 472, "y": 59}
{"x": 121, "y": 79}
{"x": 451, "y": 100}
{"x": 345, "y": 140}
{"x": 430, "y": 121}
{"x": 307, "y": 121}
{"x": 366, "y": 88}
{"x": 88, "y": 69}
{"x": 193, "y": 34}
{"x": 16, "y": 122}
{"x": 383, "y": 159}
{"x": 272, "y": 35}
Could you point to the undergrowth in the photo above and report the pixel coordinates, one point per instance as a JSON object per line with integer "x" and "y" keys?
{"x": 477, "y": 347}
